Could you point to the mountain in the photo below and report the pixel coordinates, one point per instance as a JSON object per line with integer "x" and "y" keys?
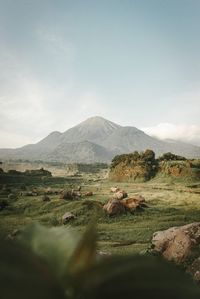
{"x": 96, "y": 140}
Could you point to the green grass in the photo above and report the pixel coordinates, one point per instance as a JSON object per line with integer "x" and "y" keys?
{"x": 169, "y": 205}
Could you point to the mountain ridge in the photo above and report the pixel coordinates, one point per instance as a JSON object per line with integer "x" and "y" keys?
{"x": 96, "y": 140}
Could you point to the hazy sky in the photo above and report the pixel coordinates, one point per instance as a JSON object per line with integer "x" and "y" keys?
{"x": 135, "y": 62}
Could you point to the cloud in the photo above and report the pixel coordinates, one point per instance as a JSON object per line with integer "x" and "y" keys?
{"x": 180, "y": 132}
{"x": 12, "y": 140}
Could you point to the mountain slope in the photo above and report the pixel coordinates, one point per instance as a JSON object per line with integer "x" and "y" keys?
{"x": 94, "y": 129}
{"x": 84, "y": 151}
{"x": 96, "y": 140}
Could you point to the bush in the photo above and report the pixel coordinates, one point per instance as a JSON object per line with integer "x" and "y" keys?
{"x": 171, "y": 157}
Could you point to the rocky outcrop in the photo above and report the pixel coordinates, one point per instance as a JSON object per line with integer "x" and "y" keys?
{"x": 141, "y": 167}
{"x": 133, "y": 167}
{"x": 120, "y": 195}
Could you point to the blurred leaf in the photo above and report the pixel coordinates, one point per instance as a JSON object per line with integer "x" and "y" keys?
{"x": 56, "y": 245}
{"x": 85, "y": 253}
{"x": 136, "y": 277}
{"x": 23, "y": 275}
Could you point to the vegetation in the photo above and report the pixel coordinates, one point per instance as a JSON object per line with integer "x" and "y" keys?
{"x": 171, "y": 157}
{"x": 134, "y": 167}
{"x": 57, "y": 263}
{"x": 60, "y": 258}
{"x": 143, "y": 167}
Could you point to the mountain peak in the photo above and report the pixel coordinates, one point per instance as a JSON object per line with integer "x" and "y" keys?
{"x": 96, "y": 139}
{"x": 97, "y": 121}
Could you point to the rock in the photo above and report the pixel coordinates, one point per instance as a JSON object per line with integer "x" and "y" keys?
{"x": 114, "y": 207}
{"x": 76, "y": 194}
{"x": 114, "y": 189}
{"x": 79, "y": 188}
{"x": 177, "y": 243}
{"x": 67, "y": 217}
{"x": 31, "y": 193}
{"x": 103, "y": 253}
{"x": 70, "y": 195}
{"x": 120, "y": 195}
{"x": 45, "y": 198}
{"x": 90, "y": 193}
{"x": 49, "y": 191}
{"x": 134, "y": 203}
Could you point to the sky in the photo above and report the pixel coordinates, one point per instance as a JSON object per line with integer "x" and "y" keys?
{"x": 134, "y": 62}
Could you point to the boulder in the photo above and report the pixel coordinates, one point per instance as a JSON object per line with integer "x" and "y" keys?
{"x": 76, "y": 194}
{"x": 67, "y": 217}
{"x": 114, "y": 189}
{"x": 134, "y": 203}
{"x": 90, "y": 193}
{"x": 177, "y": 243}
{"x": 67, "y": 195}
{"x": 31, "y": 193}
{"x": 70, "y": 195}
{"x": 120, "y": 195}
{"x": 114, "y": 207}
{"x": 49, "y": 191}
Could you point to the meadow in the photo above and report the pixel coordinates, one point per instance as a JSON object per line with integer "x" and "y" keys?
{"x": 168, "y": 204}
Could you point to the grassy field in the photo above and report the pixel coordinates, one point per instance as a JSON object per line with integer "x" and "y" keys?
{"x": 169, "y": 204}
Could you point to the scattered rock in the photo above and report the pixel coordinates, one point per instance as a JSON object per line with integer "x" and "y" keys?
{"x": 30, "y": 193}
{"x": 103, "y": 253}
{"x": 70, "y": 195}
{"x": 114, "y": 207}
{"x": 90, "y": 193}
{"x": 114, "y": 189}
{"x": 134, "y": 203}
{"x": 67, "y": 217}
{"x": 120, "y": 195}
{"x": 49, "y": 191}
{"x": 177, "y": 243}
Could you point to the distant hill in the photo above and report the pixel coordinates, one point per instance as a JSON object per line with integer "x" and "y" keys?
{"x": 96, "y": 140}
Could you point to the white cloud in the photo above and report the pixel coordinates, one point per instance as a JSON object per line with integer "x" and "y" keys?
{"x": 12, "y": 140}
{"x": 181, "y": 132}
